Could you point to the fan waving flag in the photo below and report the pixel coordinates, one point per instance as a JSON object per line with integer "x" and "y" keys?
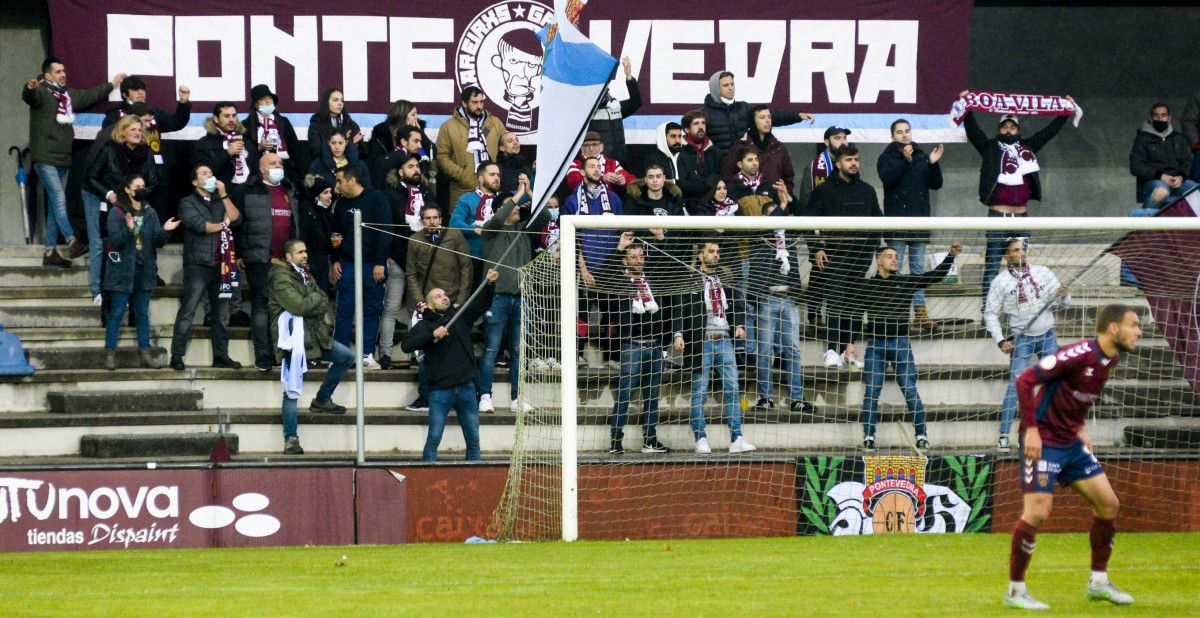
{"x": 575, "y": 74}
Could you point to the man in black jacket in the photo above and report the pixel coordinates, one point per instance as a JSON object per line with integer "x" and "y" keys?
{"x": 908, "y": 174}
{"x": 450, "y": 361}
{"x": 270, "y": 218}
{"x": 729, "y": 119}
{"x": 845, "y": 257}
{"x": 407, "y": 195}
{"x": 699, "y": 161}
{"x": 512, "y": 164}
{"x": 1008, "y": 178}
{"x": 1160, "y": 159}
{"x": 205, "y": 216}
{"x": 609, "y": 118}
{"x": 885, "y": 298}
{"x": 225, "y": 148}
{"x": 376, "y": 217}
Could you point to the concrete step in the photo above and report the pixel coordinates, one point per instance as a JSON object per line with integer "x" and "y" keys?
{"x": 128, "y": 356}
{"x": 108, "y": 401}
{"x": 68, "y": 295}
{"x": 75, "y": 314}
{"x": 170, "y": 259}
{"x": 154, "y": 445}
{"x": 39, "y": 276}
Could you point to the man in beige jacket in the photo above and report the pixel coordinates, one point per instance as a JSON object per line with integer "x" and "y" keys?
{"x": 470, "y": 137}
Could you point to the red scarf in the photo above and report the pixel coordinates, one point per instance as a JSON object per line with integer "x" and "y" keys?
{"x": 642, "y": 300}
{"x": 725, "y": 208}
{"x": 1022, "y": 276}
{"x": 699, "y": 146}
{"x": 751, "y": 184}
{"x": 1015, "y": 104}
{"x": 484, "y": 211}
{"x": 66, "y": 112}
{"x": 548, "y": 237}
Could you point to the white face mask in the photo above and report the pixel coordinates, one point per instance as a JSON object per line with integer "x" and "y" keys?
{"x": 210, "y": 184}
{"x": 266, "y": 110}
{"x": 275, "y": 175}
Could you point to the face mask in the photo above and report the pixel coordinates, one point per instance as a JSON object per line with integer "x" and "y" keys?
{"x": 1160, "y": 125}
{"x": 553, "y": 213}
{"x": 266, "y": 110}
{"x": 1009, "y": 139}
{"x": 210, "y": 184}
{"x": 275, "y": 175}
{"x": 141, "y": 194}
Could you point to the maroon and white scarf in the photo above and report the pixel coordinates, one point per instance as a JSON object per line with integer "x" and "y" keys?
{"x": 412, "y": 212}
{"x": 1016, "y": 104}
{"x": 750, "y": 183}
{"x": 484, "y": 211}
{"x": 549, "y": 237}
{"x": 475, "y": 138}
{"x": 821, "y": 168}
{"x": 642, "y": 300}
{"x": 726, "y": 208}
{"x": 1016, "y": 161}
{"x": 268, "y": 129}
{"x": 227, "y": 262}
{"x": 781, "y": 252}
{"x": 241, "y": 171}
{"x": 1026, "y": 284}
{"x": 714, "y": 293}
{"x": 582, "y": 194}
{"x": 66, "y": 111}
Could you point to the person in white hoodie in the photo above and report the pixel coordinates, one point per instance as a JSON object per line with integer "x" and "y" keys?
{"x": 1021, "y": 292}
{"x": 668, "y": 139}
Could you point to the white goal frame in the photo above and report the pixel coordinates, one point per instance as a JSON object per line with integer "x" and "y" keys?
{"x": 570, "y": 224}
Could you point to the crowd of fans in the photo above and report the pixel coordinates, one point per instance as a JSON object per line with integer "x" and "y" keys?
{"x": 268, "y": 239}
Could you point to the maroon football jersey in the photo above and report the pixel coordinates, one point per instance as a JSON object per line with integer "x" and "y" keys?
{"x": 1055, "y": 394}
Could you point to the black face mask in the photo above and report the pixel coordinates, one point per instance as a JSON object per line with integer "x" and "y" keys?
{"x": 1160, "y": 125}
{"x": 1008, "y": 139}
{"x": 141, "y": 194}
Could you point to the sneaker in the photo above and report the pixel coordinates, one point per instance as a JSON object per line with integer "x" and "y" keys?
{"x": 803, "y": 406}
{"x": 485, "y": 403}
{"x": 538, "y": 366}
{"x": 702, "y": 447}
{"x": 369, "y": 363}
{"x": 1023, "y": 600}
{"x": 853, "y": 362}
{"x": 226, "y": 363}
{"x": 262, "y": 365}
{"x": 1107, "y": 592}
{"x": 177, "y": 363}
{"x": 553, "y": 364}
{"x": 868, "y": 443}
{"x": 741, "y": 446}
{"x": 833, "y": 360}
{"x": 421, "y": 404}
{"x": 54, "y": 259}
{"x": 581, "y": 362}
{"x": 520, "y": 405}
{"x": 76, "y": 248}
{"x": 654, "y": 446}
{"x": 922, "y": 443}
{"x": 764, "y": 404}
{"x": 326, "y": 407}
{"x": 615, "y": 447}
{"x": 503, "y": 361}
{"x": 98, "y": 300}
{"x": 385, "y": 362}
{"x": 1002, "y": 444}
{"x": 291, "y": 446}
{"x": 612, "y": 364}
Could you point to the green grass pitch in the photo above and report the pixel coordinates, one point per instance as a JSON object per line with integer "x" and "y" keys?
{"x": 936, "y": 575}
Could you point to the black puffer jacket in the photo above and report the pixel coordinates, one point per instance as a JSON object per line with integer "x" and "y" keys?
{"x": 116, "y": 161}
{"x": 906, "y": 186}
{"x": 1154, "y": 154}
{"x": 253, "y": 236}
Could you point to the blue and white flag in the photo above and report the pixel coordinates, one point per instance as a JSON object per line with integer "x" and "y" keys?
{"x": 575, "y": 74}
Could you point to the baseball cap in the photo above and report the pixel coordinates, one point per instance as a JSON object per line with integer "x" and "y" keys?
{"x": 834, "y": 130}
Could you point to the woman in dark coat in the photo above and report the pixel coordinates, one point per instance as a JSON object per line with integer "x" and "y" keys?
{"x": 331, "y": 118}
{"x": 126, "y": 154}
{"x": 135, "y": 236}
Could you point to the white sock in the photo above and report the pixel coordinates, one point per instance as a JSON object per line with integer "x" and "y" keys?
{"x": 1099, "y": 578}
{"x": 1015, "y": 588}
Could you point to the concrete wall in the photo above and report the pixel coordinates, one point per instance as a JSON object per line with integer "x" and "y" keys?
{"x": 1100, "y": 55}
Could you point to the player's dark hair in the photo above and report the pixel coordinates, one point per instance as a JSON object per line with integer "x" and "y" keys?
{"x": 196, "y": 170}
{"x": 348, "y": 172}
{"x": 724, "y": 74}
{"x": 430, "y": 207}
{"x": 672, "y": 126}
{"x": 1111, "y": 314}
{"x": 222, "y": 105}
{"x": 290, "y": 245}
{"x": 745, "y": 152}
{"x": 655, "y": 166}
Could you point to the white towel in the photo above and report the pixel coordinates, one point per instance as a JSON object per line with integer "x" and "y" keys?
{"x": 291, "y": 338}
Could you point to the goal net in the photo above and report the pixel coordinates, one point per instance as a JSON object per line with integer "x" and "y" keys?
{"x": 807, "y": 341}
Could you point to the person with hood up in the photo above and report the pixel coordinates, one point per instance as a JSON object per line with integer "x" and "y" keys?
{"x": 774, "y": 161}
{"x": 668, "y": 141}
{"x": 1159, "y": 159}
{"x": 728, "y": 119}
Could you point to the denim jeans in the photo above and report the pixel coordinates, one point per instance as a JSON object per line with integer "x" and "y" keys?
{"x": 462, "y": 399}
{"x": 54, "y": 179}
{"x": 995, "y": 252}
{"x": 779, "y": 317}
{"x": 1028, "y": 347}
{"x": 1150, "y": 187}
{"x": 641, "y": 367}
{"x": 341, "y": 359}
{"x": 880, "y": 352}
{"x": 1127, "y": 277}
{"x": 91, "y": 214}
{"x": 343, "y": 329}
{"x": 502, "y": 330}
{"x": 392, "y": 303}
{"x": 916, "y": 262}
{"x": 141, "y": 314}
{"x": 717, "y": 354}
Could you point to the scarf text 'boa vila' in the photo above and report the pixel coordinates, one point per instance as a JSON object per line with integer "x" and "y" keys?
{"x": 1015, "y": 104}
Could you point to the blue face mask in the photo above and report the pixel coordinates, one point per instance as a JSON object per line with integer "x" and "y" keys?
{"x": 210, "y": 184}
{"x": 553, "y": 213}
{"x": 275, "y": 175}
{"x": 266, "y": 110}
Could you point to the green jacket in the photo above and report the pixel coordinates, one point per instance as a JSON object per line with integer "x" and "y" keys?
{"x": 50, "y": 142}
{"x": 288, "y": 293}
{"x": 497, "y": 236}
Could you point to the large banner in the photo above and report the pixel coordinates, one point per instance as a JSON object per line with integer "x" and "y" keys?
{"x": 854, "y": 63}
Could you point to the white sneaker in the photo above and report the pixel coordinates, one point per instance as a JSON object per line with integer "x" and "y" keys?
{"x": 1107, "y": 592}
{"x": 98, "y": 300}
{"x": 369, "y": 362}
{"x": 552, "y": 364}
{"x": 741, "y": 446}
{"x": 833, "y": 360}
{"x": 521, "y": 405}
{"x": 485, "y": 403}
{"x": 612, "y": 364}
{"x": 538, "y": 366}
{"x": 1023, "y": 600}
{"x": 702, "y": 447}
{"x": 853, "y": 362}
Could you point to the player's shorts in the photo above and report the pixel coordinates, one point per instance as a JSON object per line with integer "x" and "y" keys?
{"x": 1064, "y": 464}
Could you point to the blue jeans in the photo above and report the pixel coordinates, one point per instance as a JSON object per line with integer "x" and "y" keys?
{"x": 1127, "y": 277}
{"x": 1151, "y": 186}
{"x": 502, "y": 328}
{"x": 916, "y": 262}
{"x": 717, "y": 354}
{"x": 373, "y": 292}
{"x": 422, "y": 380}
{"x": 54, "y": 179}
{"x": 1028, "y": 347}
{"x": 141, "y": 314}
{"x": 341, "y": 359}
{"x": 779, "y": 317}
{"x": 91, "y": 214}
{"x": 880, "y": 352}
{"x": 462, "y": 399}
{"x": 641, "y": 367}
{"x": 994, "y": 252}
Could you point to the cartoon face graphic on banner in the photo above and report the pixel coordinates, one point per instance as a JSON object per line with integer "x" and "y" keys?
{"x": 500, "y": 53}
